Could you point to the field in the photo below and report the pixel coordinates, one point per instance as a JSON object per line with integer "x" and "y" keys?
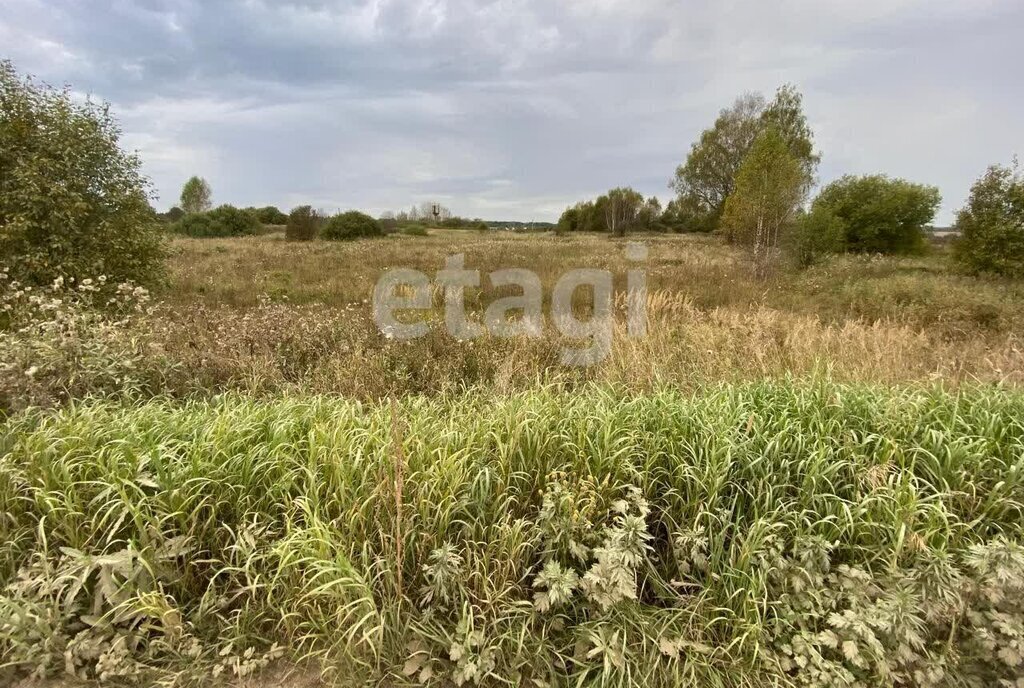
{"x": 814, "y": 480}
{"x": 262, "y": 313}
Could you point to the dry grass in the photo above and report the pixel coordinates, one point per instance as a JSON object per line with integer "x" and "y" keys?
{"x": 263, "y": 314}
{"x": 921, "y": 292}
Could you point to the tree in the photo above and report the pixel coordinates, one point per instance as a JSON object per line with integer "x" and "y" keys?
{"x": 351, "y": 225}
{"x": 303, "y": 224}
{"x": 992, "y": 224}
{"x": 682, "y": 215}
{"x": 621, "y": 207}
{"x": 269, "y": 215}
{"x": 569, "y": 220}
{"x": 72, "y": 202}
{"x": 815, "y": 235}
{"x": 388, "y": 223}
{"x": 769, "y": 190}
{"x": 196, "y": 195}
{"x": 708, "y": 176}
{"x": 222, "y": 221}
{"x": 585, "y": 216}
{"x": 649, "y": 215}
{"x": 880, "y": 214}
{"x": 786, "y": 114}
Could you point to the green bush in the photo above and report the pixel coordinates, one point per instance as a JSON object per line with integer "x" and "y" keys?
{"x": 72, "y": 202}
{"x": 413, "y": 229}
{"x": 222, "y": 221}
{"x": 992, "y": 224}
{"x": 879, "y": 214}
{"x": 351, "y": 225}
{"x": 171, "y": 216}
{"x": 815, "y": 235}
{"x": 269, "y": 215}
{"x": 303, "y": 224}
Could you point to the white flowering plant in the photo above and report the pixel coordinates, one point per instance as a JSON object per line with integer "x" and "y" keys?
{"x": 69, "y": 339}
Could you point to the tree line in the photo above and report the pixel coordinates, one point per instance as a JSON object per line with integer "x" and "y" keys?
{"x": 748, "y": 177}
{"x": 196, "y": 216}
{"x": 75, "y": 205}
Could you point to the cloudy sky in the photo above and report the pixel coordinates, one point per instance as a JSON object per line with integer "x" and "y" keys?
{"x": 513, "y": 109}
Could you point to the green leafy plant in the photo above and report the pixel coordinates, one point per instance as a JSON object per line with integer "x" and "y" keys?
{"x": 222, "y": 221}
{"x": 196, "y": 196}
{"x": 351, "y": 225}
{"x": 880, "y": 214}
{"x": 72, "y": 202}
{"x": 992, "y": 224}
{"x": 303, "y": 224}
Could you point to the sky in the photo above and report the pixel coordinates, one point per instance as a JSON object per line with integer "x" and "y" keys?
{"x": 515, "y": 109}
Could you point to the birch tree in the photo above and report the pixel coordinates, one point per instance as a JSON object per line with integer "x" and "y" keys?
{"x": 769, "y": 191}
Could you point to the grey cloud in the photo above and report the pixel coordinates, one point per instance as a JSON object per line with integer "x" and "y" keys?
{"x": 519, "y": 107}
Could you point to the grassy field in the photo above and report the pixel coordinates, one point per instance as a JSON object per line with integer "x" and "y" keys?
{"x": 814, "y": 480}
{"x": 265, "y": 314}
{"x": 744, "y": 536}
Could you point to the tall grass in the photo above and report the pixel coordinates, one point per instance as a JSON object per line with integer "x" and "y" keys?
{"x": 763, "y": 534}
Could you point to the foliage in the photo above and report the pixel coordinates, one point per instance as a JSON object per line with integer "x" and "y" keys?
{"x": 618, "y": 211}
{"x": 769, "y": 189}
{"x": 770, "y": 534}
{"x": 303, "y": 224}
{"x": 196, "y": 196}
{"x": 72, "y": 203}
{"x": 684, "y": 214}
{"x": 171, "y": 216}
{"x": 222, "y": 221}
{"x": 351, "y": 225}
{"x": 621, "y": 210}
{"x": 785, "y": 114}
{"x": 992, "y": 224}
{"x": 569, "y": 220}
{"x": 880, "y": 214}
{"x": 814, "y": 235}
{"x": 269, "y": 215}
{"x": 709, "y": 176}
{"x": 69, "y": 339}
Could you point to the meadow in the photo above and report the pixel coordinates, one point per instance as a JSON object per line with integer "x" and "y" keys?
{"x": 809, "y": 480}
{"x": 264, "y": 314}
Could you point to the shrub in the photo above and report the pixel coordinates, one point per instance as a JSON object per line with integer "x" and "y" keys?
{"x": 269, "y": 215}
{"x": 57, "y": 344}
{"x": 879, "y": 214}
{"x": 222, "y": 221}
{"x": 303, "y": 224}
{"x": 992, "y": 224}
{"x": 413, "y": 229}
{"x": 351, "y": 225}
{"x": 72, "y": 203}
{"x": 815, "y": 235}
{"x": 171, "y": 216}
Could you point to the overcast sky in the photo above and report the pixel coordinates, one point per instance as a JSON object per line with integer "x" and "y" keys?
{"x": 513, "y": 109}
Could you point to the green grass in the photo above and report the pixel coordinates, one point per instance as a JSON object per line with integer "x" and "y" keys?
{"x": 747, "y": 535}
